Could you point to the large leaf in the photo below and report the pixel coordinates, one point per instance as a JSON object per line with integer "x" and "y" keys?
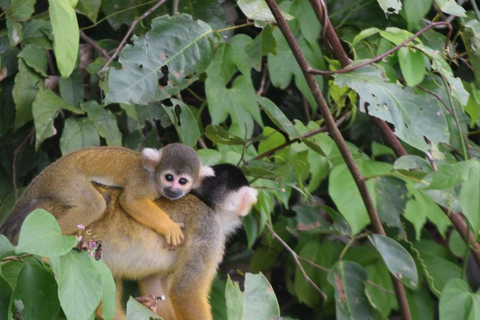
{"x": 45, "y": 109}
{"x": 109, "y": 289}
{"x": 414, "y": 10}
{"x": 458, "y": 302}
{"x": 77, "y": 134}
{"x": 470, "y": 196}
{"x": 258, "y": 10}
{"x": 24, "y": 92}
{"x": 263, "y": 44}
{"x": 278, "y": 117}
{"x": 348, "y": 278}
{"x": 238, "y": 102}
{"x": 398, "y": 260}
{"x": 105, "y": 122}
{"x": 234, "y": 300}
{"x": 390, "y": 6}
{"x": 451, "y": 7}
{"x": 219, "y": 135}
{"x": 37, "y": 290}
{"x": 413, "y": 116}
{"x": 186, "y": 125}
{"x": 183, "y": 45}
{"x": 40, "y": 234}
{"x": 412, "y": 64}
{"x": 35, "y": 57}
{"x": 79, "y": 284}
{"x": 21, "y": 10}
{"x": 391, "y": 195}
{"x": 260, "y": 301}
{"x": 71, "y": 89}
{"x": 66, "y": 34}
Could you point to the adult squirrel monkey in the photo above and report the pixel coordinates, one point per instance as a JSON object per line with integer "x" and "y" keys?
{"x": 170, "y": 172}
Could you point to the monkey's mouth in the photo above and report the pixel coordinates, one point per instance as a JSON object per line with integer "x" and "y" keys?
{"x": 172, "y": 194}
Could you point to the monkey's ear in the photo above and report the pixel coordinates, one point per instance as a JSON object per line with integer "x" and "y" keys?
{"x": 205, "y": 171}
{"x": 151, "y": 159}
{"x": 248, "y": 197}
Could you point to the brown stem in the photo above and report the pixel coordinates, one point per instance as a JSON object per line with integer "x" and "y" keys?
{"x": 129, "y": 32}
{"x": 303, "y": 136}
{"x": 340, "y": 142}
{"x": 94, "y": 44}
{"x": 389, "y": 137}
{"x": 380, "y": 57}
{"x": 295, "y": 257}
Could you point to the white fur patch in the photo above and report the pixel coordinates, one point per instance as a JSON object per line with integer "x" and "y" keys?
{"x": 152, "y": 154}
{"x": 206, "y": 171}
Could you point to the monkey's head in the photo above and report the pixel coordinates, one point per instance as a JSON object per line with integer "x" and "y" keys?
{"x": 227, "y": 191}
{"x": 176, "y": 168}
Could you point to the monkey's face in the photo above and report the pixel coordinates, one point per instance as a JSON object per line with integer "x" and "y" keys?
{"x": 174, "y": 186}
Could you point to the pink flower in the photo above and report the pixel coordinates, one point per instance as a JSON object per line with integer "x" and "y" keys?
{"x": 81, "y": 226}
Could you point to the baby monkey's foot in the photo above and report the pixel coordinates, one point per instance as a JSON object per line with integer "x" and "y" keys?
{"x": 173, "y": 234}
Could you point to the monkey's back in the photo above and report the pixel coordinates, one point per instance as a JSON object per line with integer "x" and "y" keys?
{"x": 133, "y": 251}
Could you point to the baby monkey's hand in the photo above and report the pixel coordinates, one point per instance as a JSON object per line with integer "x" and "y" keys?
{"x": 173, "y": 234}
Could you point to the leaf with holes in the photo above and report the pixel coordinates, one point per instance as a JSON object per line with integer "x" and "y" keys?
{"x": 390, "y": 6}
{"x": 414, "y": 117}
{"x": 185, "y": 124}
{"x": 185, "y": 46}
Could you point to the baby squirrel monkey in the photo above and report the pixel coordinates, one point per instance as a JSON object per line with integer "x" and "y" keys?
{"x": 170, "y": 172}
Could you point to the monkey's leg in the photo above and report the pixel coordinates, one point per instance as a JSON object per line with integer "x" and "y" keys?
{"x": 146, "y": 212}
{"x": 158, "y": 285}
{"x": 82, "y": 202}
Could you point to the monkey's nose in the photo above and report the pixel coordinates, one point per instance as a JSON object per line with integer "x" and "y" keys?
{"x": 172, "y": 193}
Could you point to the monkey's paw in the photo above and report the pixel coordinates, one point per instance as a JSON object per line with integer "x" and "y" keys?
{"x": 174, "y": 234}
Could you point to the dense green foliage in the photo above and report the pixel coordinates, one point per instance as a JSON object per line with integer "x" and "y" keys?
{"x": 221, "y": 77}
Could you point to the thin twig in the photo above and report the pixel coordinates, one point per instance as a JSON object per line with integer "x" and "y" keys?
{"x": 16, "y": 258}
{"x": 306, "y": 108}
{"x": 380, "y": 57}
{"x": 175, "y": 6}
{"x": 94, "y": 44}
{"x": 436, "y": 96}
{"x": 264, "y": 80}
{"x": 202, "y": 144}
{"x": 297, "y": 261}
{"x": 129, "y": 32}
{"x": 14, "y": 163}
{"x": 319, "y": 267}
{"x": 303, "y": 136}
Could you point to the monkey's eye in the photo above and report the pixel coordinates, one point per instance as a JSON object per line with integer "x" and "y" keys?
{"x": 169, "y": 177}
{"x": 182, "y": 181}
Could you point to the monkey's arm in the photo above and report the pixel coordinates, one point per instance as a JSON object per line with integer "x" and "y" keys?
{"x": 146, "y": 212}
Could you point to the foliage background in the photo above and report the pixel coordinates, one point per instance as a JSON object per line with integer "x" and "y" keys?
{"x": 233, "y": 89}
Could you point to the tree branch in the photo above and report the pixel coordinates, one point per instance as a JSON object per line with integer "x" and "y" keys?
{"x": 339, "y": 141}
{"x": 94, "y": 44}
{"x": 129, "y": 32}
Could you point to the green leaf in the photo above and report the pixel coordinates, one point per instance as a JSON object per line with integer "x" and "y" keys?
{"x": 451, "y": 7}
{"x": 89, "y": 8}
{"x": 473, "y": 105}
{"x": 239, "y": 102}
{"x": 413, "y": 116}
{"x": 78, "y": 133}
{"x": 105, "y": 122}
{"x": 456, "y": 244}
{"x": 398, "y": 260}
{"x": 66, "y": 35}
{"x": 470, "y": 196}
{"x": 209, "y": 157}
{"x": 183, "y": 45}
{"x": 40, "y": 234}
{"x": 234, "y": 300}
{"x": 458, "y": 302}
{"x": 412, "y": 65}
{"x": 207, "y": 10}
{"x": 390, "y": 6}
{"x": 37, "y": 290}
{"x": 378, "y": 273}
{"x": 260, "y": 300}
{"x": 38, "y": 32}
{"x": 109, "y": 289}
{"x": 5, "y": 297}
{"x": 45, "y": 109}
{"x": 6, "y": 248}
{"x": 278, "y": 117}
{"x": 447, "y": 176}
{"x": 411, "y": 162}
{"x": 219, "y": 135}
{"x": 273, "y": 140}
{"x": 186, "y": 125}
{"x": 79, "y": 284}
{"x": 35, "y": 57}
{"x": 21, "y": 10}
{"x": 307, "y": 19}
{"x": 263, "y": 44}
{"x": 137, "y": 311}
{"x": 414, "y": 10}
{"x": 348, "y": 278}
{"x": 396, "y": 35}
{"x": 391, "y": 196}
{"x": 258, "y": 10}
{"x": 71, "y": 89}
{"x": 309, "y": 219}
{"x": 437, "y": 264}
{"x": 345, "y": 194}
{"x": 24, "y": 92}
{"x": 364, "y": 34}
{"x": 15, "y": 34}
